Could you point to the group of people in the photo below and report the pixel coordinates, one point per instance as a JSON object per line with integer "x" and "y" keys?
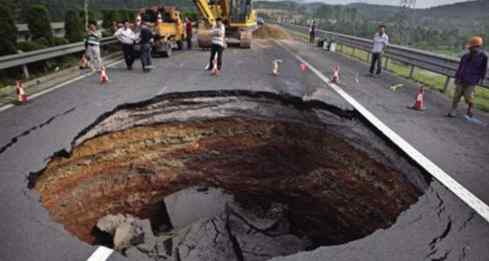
{"x": 472, "y": 69}
{"x": 136, "y": 43}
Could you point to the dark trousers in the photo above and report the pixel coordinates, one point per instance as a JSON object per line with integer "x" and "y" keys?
{"x": 312, "y": 37}
{"x": 128, "y": 52}
{"x": 146, "y": 55}
{"x": 216, "y": 49}
{"x": 189, "y": 41}
{"x": 376, "y": 60}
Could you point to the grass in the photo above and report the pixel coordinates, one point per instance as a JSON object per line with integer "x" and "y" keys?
{"x": 429, "y": 79}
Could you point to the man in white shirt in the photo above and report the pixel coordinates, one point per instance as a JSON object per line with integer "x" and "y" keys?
{"x": 381, "y": 40}
{"x": 126, "y": 36}
{"x": 218, "y": 34}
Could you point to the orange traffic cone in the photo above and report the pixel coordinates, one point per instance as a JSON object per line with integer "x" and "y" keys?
{"x": 19, "y": 89}
{"x": 419, "y": 104}
{"x": 215, "y": 70}
{"x": 336, "y": 74}
{"x": 104, "y": 78}
{"x": 275, "y": 68}
{"x": 303, "y": 67}
{"x": 83, "y": 62}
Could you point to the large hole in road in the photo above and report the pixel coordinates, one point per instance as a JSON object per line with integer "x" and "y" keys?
{"x": 230, "y": 175}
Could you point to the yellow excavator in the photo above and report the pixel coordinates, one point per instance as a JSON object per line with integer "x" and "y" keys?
{"x": 238, "y": 16}
{"x": 168, "y": 28}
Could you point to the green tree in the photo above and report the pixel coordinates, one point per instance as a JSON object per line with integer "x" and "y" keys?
{"x": 109, "y": 16}
{"x": 73, "y": 27}
{"x": 8, "y": 31}
{"x": 39, "y": 23}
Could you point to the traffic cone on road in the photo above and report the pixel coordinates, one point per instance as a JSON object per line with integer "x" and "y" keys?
{"x": 275, "y": 68}
{"x": 303, "y": 67}
{"x": 19, "y": 89}
{"x": 336, "y": 74}
{"x": 83, "y": 62}
{"x": 104, "y": 78}
{"x": 419, "y": 104}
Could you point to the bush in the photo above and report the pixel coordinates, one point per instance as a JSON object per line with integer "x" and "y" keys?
{"x": 8, "y": 31}
{"x": 39, "y": 22}
{"x": 59, "y": 41}
{"x": 73, "y": 27}
{"x": 30, "y": 46}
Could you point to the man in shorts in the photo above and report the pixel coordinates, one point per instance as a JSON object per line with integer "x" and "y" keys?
{"x": 471, "y": 71}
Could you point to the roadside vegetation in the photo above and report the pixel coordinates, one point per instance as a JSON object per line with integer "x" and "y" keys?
{"x": 429, "y": 79}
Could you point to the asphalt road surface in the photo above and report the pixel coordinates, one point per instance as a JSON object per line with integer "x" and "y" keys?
{"x": 438, "y": 227}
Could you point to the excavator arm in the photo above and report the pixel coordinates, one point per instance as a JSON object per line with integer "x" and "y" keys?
{"x": 205, "y": 10}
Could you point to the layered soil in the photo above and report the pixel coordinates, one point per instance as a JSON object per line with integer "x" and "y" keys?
{"x": 336, "y": 182}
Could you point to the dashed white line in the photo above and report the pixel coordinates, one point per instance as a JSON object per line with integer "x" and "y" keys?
{"x": 101, "y": 254}
{"x": 460, "y": 191}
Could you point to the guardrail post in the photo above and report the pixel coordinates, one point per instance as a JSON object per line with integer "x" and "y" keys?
{"x": 25, "y": 70}
{"x": 386, "y": 63}
{"x": 353, "y": 52}
{"x": 411, "y": 73}
{"x": 447, "y": 82}
{"x": 368, "y": 57}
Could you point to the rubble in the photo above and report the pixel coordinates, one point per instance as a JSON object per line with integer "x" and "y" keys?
{"x": 302, "y": 175}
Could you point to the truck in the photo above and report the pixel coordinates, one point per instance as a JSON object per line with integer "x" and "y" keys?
{"x": 168, "y": 28}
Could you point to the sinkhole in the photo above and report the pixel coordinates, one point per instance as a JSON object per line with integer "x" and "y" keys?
{"x": 316, "y": 174}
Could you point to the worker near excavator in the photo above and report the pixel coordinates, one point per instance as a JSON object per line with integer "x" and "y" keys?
{"x": 471, "y": 71}
{"x": 188, "y": 30}
{"x": 218, "y": 34}
{"x": 146, "y": 41}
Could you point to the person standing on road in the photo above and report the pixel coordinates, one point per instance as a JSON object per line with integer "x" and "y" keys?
{"x": 146, "y": 40}
{"x": 381, "y": 40}
{"x": 472, "y": 70}
{"x": 312, "y": 32}
{"x": 126, "y": 37}
{"x": 188, "y": 31}
{"x": 92, "y": 45}
{"x": 218, "y": 34}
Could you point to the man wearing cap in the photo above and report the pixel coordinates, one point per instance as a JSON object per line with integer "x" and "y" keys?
{"x": 471, "y": 71}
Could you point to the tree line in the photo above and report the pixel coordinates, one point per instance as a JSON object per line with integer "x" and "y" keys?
{"x": 38, "y": 16}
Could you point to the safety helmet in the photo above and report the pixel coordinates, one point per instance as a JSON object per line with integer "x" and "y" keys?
{"x": 475, "y": 41}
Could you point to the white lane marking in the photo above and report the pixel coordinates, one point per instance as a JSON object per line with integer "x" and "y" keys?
{"x": 101, "y": 254}
{"x": 460, "y": 191}
{"x": 8, "y": 106}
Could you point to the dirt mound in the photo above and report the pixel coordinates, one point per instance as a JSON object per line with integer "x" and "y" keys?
{"x": 271, "y": 32}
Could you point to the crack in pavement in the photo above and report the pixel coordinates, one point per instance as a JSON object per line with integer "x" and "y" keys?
{"x": 236, "y": 247}
{"x": 27, "y": 132}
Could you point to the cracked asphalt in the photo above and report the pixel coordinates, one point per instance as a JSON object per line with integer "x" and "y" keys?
{"x": 438, "y": 227}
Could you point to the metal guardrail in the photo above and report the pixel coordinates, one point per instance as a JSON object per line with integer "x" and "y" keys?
{"x": 416, "y": 58}
{"x": 22, "y": 59}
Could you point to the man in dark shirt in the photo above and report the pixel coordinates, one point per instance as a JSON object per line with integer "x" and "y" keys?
{"x": 146, "y": 40}
{"x": 471, "y": 71}
{"x": 188, "y": 30}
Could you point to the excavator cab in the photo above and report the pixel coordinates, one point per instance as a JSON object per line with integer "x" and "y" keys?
{"x": 238, "y": 16}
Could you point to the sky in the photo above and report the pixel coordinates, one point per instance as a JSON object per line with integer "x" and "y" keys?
{"x": 419, "y": 3}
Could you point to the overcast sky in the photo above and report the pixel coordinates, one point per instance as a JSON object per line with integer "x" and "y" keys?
{"x": 419, "y": 3}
